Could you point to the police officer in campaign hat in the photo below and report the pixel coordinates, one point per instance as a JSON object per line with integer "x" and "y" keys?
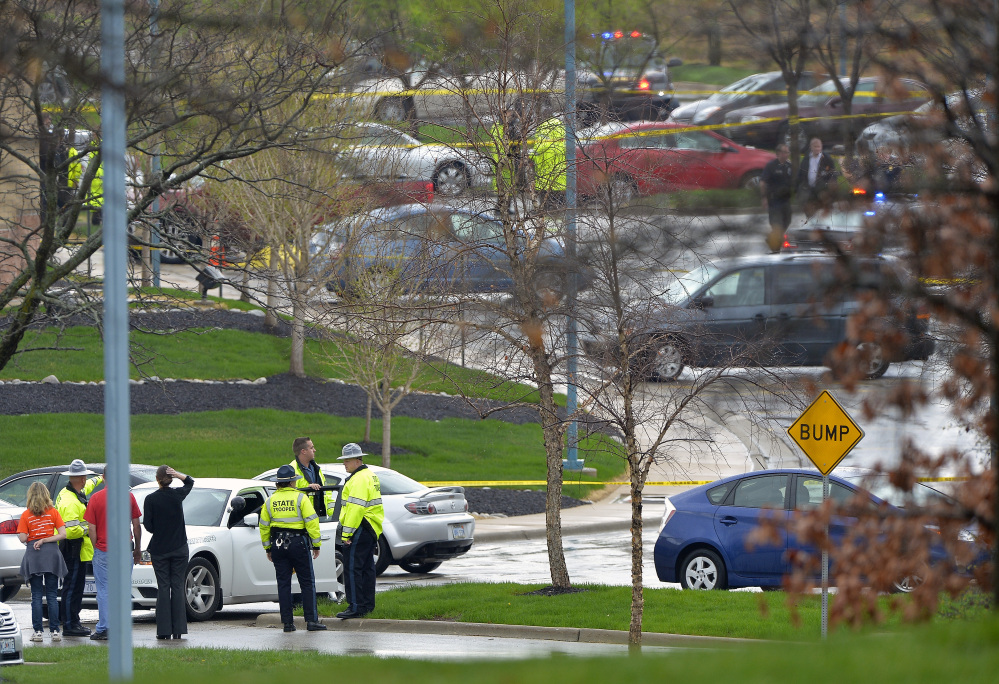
{"x": 77, "y": 550}
{"x": 289, "y": 530}
{"x": 361, "y": 519}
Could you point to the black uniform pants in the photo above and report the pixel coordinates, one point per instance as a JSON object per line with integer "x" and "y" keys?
{"x": 73, "y": 583}
{"x": 295, "y": 553}
{"x": 359, "y": 579}
{"x": 171, "y": 612}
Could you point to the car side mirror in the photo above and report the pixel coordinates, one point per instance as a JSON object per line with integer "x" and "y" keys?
{"x": 836, "y": 102}
{"x": 674, "y": 62}
{"x": 727, "y": 148}
{"x": 252, "y": 520}
{"x": 238, "y": 504}
{"x": 703, "y": 303}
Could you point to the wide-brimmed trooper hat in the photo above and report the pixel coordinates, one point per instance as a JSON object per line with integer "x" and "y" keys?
{"x": 286, "y": 474}
{"x": 351, "y": 451}
{"x": 78, "y": 468}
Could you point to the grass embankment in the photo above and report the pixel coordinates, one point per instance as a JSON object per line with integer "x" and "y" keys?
{"x": 715, "y": 613}
{"x": 960, "y": 652}
{"x": 246, "y": 443}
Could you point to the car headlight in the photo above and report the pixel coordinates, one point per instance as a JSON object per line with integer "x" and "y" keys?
{"x": 704, "y": 113}
{"x": 752, "y": 119}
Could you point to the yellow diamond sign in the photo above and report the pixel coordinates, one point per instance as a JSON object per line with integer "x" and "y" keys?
{"x": 825, "y": 432}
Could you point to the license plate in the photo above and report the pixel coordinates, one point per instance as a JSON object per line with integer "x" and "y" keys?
{"x": 457, "y": 531}
{"x": 90, "y": 587}
{"x": 7, "y": 645}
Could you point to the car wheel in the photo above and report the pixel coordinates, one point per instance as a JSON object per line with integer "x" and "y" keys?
{"x": 873, "y": 357}
{"x": 204, "y": 594}
{"x": 667, "y": 361}
{"x": 621, "y": 189}
{"x": 906, "y": 585}
{"x": 339, "y": 594}
{"x": 428, "y": 566}
{"x": 703, "y": 569}
{"x": 451, "y": 180}
{"x": 394, "y": 109}
{"x": 8, "y": 591}
{"x": 549, "y": 279}
{"x": 751, "y": 181}
{"x": 383, "y": 556}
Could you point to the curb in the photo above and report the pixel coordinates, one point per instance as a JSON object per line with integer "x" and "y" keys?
{"x": 571, "y": 634}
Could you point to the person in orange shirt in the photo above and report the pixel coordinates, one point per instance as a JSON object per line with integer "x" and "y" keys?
{"x": 41, "y": 528}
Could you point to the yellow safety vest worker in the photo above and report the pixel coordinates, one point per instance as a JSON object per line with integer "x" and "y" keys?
{"x": 362, "y": 500}
{"x": 302, "y": 482}
{"x": 95, "y": 195}
{"x": 288, "y": 509}
{"x": 72, "y": 507}
{"x": 549, "y": 156}
{"x": 505, "y": 153}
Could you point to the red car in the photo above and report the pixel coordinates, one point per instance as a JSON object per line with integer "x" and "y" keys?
{"x": 655, "y": 157}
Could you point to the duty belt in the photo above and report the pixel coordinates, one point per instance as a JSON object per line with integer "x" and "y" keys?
{"x": 283, "y": 537}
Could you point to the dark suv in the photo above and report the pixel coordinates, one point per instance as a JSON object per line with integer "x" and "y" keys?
{"x": 772, "y": 310}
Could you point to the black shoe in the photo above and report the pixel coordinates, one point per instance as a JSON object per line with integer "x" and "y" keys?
{"x": 99, "y": 636}
{"x": 315, "y": 626}
{"x": 162, "y": 636}
{"x": 178, "y": 636}
{"x": 289, "y": 627}
{"x": 76, "y": 631}
{"x": 347, "y": 614}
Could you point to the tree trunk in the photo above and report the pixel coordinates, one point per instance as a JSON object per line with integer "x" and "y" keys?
{"x": 270, "y": 317}
{"x": 244, "y": 292}
{"x": 637, "y": 597}
{"x": 367, "y": 422}
{"x": 387, "y": 436}
{"x": 714, "y": 35}
{"x": 297, "y": 365}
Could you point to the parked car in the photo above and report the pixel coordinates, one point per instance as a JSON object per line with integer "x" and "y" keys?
{"x": 14, "y": 498}
{"x": 650, "y": 158}
{"x": 864, "y": 228}
{"x": 769, "y": 310}
{"x": 822, "y": 109}
{"x": 703, "y": 536}
{"x": 751, "y": 91}
{"x": 385, "y": 152}
{"x": 433, "y": 248}
{"x": 424, "y": 526}
{"x": 11, "y": 641}
{"x": 227, "y": 561}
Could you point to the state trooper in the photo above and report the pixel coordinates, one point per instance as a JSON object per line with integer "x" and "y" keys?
{"x": 361, "y": 518}
{"x": 77, "y": 549}
{"x": 289, "y": 530}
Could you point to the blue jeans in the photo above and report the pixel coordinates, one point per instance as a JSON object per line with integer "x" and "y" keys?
{"x": 44, "y": 584}
{"x": 101, "y": 577}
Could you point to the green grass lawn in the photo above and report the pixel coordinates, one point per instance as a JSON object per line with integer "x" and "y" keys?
{"x": 246, "y": 443}
{"x": 739, "y": 614}
{"x": 959, "y": 652}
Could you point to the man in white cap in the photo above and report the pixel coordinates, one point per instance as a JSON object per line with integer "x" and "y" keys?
{"x": 77, "y": 549}
{"x": 361, "y": 518}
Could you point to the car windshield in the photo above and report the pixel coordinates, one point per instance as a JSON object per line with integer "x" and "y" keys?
{"x": 202, "y": 507}
{"x": 684, "y": 284}
{"x": 738, "y": 89}
{"x": 819, "y": 94}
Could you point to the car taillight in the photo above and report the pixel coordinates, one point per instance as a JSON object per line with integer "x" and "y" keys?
{"x": 8, "y": 527}
{"x": 423, "y": 507}
{"x": 923, "y": 312}
{"x": 786, "y": 244}
{"x": 643, "y": 84}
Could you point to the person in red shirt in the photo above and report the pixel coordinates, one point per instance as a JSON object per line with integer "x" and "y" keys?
{"x": 41, "y": 528}
{"x": 96, "y": 517}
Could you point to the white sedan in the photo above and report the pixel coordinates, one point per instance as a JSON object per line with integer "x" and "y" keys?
{"x": 227, "y": 561}
{"x": 382, "y": 151}
{"x": 424, "y": 526}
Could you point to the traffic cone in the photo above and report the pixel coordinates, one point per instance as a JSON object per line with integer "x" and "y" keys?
{"x": 217, "y": 252}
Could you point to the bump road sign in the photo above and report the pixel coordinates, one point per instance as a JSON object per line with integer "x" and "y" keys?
{"x": 825, "y": 432}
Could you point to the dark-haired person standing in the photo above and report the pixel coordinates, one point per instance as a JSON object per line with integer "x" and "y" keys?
{"x": 163, "y": 517}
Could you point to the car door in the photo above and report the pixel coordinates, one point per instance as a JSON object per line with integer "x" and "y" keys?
{"x": 807, "y": 491}
{"x": 752, "y": 501}
{"x": 732, "y": 322}
{"x": 651, "y": 159}
{"x": 702, "y": 161}
{"x": 807, "y": 320}
{"x": 252, "y": 574}
{"x": 482, "y": 262}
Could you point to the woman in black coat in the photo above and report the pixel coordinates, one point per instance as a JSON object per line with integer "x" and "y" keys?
{"x": 163, "y": 518}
